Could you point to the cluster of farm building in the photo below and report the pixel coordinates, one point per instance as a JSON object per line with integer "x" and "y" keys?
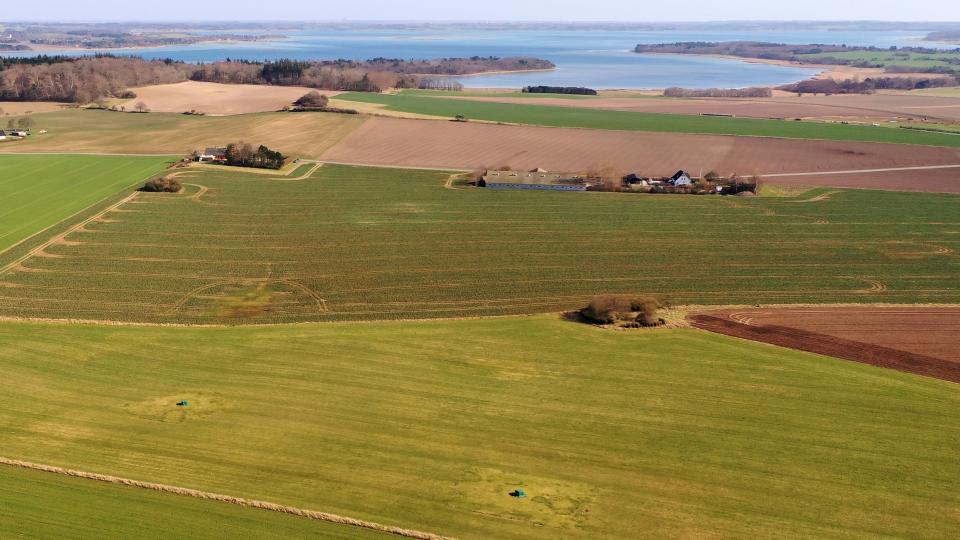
{"x": 681, "y": 182}
{"x": 13, "y": 134}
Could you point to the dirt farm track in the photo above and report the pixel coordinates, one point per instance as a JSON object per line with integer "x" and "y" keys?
{"x": 432, "y": 143}
{"x": 916, "y": 340}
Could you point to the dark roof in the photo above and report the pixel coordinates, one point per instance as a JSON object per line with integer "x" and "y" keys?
{"x": 215, "y": 151}
{"x": 680, "y": 173}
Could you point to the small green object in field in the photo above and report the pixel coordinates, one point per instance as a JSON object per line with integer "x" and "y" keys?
{"x": 518, "y": 493}
{"x": 183, "y": 403}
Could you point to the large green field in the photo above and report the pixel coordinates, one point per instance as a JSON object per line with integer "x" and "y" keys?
{"x": 40, "y": 190}
{"x": 657, "y": 434}
{"x": 363, "y": 243}
{"x": 557, "y": 116}
{"x": 891, "y": 59}
{"x": 43, "y": 506}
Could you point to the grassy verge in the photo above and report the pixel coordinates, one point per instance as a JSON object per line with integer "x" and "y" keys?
{"x": 42, "y": 505}
{"x": 556, "y": 116}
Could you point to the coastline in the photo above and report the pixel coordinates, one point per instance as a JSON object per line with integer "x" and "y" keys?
{"x": 78, "y": 48}
{"x": 825, "y": 71}
{"x": 490, "y": 72}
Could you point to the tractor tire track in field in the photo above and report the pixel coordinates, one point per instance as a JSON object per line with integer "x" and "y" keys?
{"x": 197, "y": 292}
{"x": 38, "y": 251}
{"x": 249, "y": 503}
{"x": 876, "y": 287}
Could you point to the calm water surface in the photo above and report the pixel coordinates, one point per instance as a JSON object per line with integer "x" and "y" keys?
{"x": 597, "y": 59}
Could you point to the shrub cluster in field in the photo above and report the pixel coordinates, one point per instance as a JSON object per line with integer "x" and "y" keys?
{"x": 624, "y": 310}
{"x": 164, "y": 184}
{"x": 315, "y": 101}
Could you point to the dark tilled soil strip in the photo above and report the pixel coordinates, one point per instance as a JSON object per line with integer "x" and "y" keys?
{"x": 846, "y": 349}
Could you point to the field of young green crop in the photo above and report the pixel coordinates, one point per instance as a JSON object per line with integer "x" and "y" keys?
{"x": 898, "y": 59}
{"x": 37, "y": 191}
{"x": 364, "y": 243}
{"x": 556, "y": 116}
{"x": 42, "y": 505}
{"x": 429, "y": 425}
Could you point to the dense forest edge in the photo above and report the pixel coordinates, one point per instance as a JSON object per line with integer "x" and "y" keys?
{"x": 88, "y": 79}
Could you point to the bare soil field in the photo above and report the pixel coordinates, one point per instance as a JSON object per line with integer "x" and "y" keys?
{"x": 925, "y": 180}
{"x": 850, "y": 107}
{"x": 425, "y": 143}
{"x": 12, "y": 108}
{"x": 918, "y": 340}
{"x": 218, "y": 99}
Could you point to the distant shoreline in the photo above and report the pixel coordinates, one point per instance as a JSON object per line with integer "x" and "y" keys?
{"x": 46, "y": 48}
{"x": 491, "y": 72}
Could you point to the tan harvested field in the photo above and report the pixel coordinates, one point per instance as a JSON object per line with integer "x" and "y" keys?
{"x": 921, "y": 340}
{"x": 853, "y": 107}
{"x": 11, "y": 108}
{"x": 220, "y": 99}
{"x": 425, "y": 143}
{"x": 90, "y": 131}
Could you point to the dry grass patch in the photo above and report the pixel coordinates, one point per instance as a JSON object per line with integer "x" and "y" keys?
{"x": 218, "y": 99}
{"x": 296, "y": 134}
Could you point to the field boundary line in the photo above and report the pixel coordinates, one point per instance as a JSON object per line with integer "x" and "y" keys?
{"x": 682, "y": 308}
{"x": 239, "y": 501}
{"x": 863, "y": 171}
{"x": 56, "y": 238}
{"x": 168, "y": 154}
{"x": 381, "y": 166}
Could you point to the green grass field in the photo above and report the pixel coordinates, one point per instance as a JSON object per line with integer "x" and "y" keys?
{"x": 557, "y": 116}
{"x": 660, "y": 434}
{"x": 886, "y": 59}
{"x": 939, "y": 92}
{"x": 41, "y": 190}
{"x": 42, "y": 505}
{"x": 362, "y": 243}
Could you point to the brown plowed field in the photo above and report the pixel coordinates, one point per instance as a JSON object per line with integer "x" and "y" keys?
{"x": 869, "y": 107}
{"x": 214, "y": 98}
{"x": 924, "y": 341}
{"x": 427, "y": 143}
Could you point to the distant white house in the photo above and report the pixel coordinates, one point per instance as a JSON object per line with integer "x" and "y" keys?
{"x": 681, "y": 179}
{"x": 3, "y": 136}
{"x": 214, "y": 153}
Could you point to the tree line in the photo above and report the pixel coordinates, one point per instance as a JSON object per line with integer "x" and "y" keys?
{"x": 868, "y": 85}
{"x": 570, "y": 90}
{"x": 241, "y": 154}
{"x": 87, "y": 79}
{"x": 755, "y": 92}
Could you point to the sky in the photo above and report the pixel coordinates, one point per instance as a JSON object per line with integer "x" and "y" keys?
{"x": 492, "y": 10}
